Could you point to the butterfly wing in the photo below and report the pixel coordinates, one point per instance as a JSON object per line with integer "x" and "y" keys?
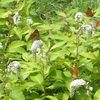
{"x": 35, "y": 35}
{"x": 89, "y": 12}
{"x": 74, "y": 72}
{"x": 97, "y": 25}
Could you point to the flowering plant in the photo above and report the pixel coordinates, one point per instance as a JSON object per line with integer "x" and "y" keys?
{"x": 48, "y": 55}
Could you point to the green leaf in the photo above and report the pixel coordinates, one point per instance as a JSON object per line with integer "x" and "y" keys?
{"x": 56, "y": 54}
{"x": 88, "y": 97}
{"x": 27, "y": 7}
{"x": 18, "y": 32}
{"x": 27, "y": 85}
{"x": 87, "y": 55}
{"x": 25, "y": 56}
{"x": 65, "y": 96}
{"x": 57, "y": 25}
{"x": 97, "y": 95}
{"x": 67, "y": 73}
{"x": 2, "y": 21}
{"x": 57, "y": 84}
{"x": 4, "y": 14}
{"x": 61, "y": 13}
{"x": 16, "y": 94}
{"x": 58, "y": 45}
{"x": 38, "y": 78}
{"x": 57, "y": 75}
{"x": 49, "y": 97}
{"x": 96, "y": 53}
{"x": 97, "y": 14}
{"x": 6, "y": 1}
{"x": 19, "y": 50}
{"x": 15, "y": 45}
{"x": 89, "y": 66}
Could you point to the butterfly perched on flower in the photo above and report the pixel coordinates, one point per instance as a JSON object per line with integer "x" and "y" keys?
{"x": 74, "y": 72}
{"x": 90, "y": 13}
{"x": 35, "y": 35}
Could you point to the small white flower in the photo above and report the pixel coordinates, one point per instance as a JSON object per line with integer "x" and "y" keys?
{"x": 13, "y": 65}
{"x": 16, "y": 18}
{"x": 74, "y": 84}
{"x": 36, "y": 44}
{"x": 1, "y": 46}
{"x": 78, "y": 17}
{"x": 90, "y": 88}
{"x": 29, "y": 21}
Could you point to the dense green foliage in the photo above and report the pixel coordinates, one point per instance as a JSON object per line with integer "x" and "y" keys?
{"x": 49, "y": 77}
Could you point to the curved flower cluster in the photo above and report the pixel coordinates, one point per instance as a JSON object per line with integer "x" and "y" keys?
{"x": 85, "y": 28}
{"x": 13, "y": 66}
{"x": 29, "y": 21}
{"x": 1, "y": 46}
{"x": 36, "y": 48}
{"x": 79, "y": 17}
{"x": 16, "y": 18}
{"x": 78, "y": 83}
{"x": 36, "y": 44}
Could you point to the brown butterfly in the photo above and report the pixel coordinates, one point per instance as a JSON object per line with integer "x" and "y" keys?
{"x": 35, "y": 35}
{"x": 90, "y": 13}
{"x": 74, "y": 72}
{"x": 96, "y": 24}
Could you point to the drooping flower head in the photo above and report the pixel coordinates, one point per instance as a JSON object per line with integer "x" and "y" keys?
{"x": 87, "y": 29}
{"x": 78, "y": 83}
{"x": 36, "y": 44}
{"x": 16, "y": 18}
{"x": 78, "y": 17}
{"x": 14, "y": 66}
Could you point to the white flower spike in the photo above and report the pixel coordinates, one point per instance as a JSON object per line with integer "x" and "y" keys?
{"x": 36, "y": 47}
{"x": 74, "y": 84}
{"x": 78, "y": 83}
{"x": 36, "y": 44}
{"x": 13, "y": 66}
{"x": 87, "y": 28}
{"x": 16, "y": 18}
{"x": 79, "y": 17}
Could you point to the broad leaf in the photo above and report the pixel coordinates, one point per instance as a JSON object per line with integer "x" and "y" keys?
{"x": 16, "y": 94}
{"x": 97, "y": 95}
{"x": 49, "y": 97}
{"x": 61, "y": 13}
{"x": 15, "y": 45}
{"x": 65, "y": 96}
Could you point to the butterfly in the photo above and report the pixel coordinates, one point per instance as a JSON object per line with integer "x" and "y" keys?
{"x": 74, "y": 72}
{"x": 95, "y": 24}
{"x": 90, "y": 13}
{"x": 35, "y": 35}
